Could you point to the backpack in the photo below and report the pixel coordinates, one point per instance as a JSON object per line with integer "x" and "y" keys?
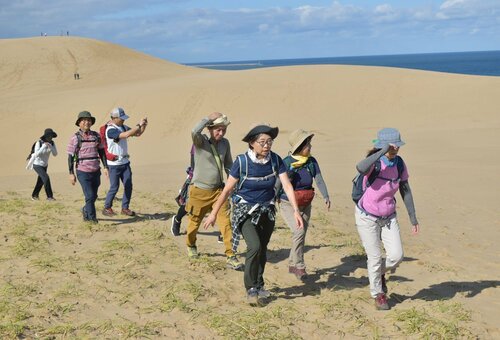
{"x": 292, "y": 171}
{"x": 102, "y": 133}
{"x": 243, "y": 161}
{"x": 97, "y": 138}
{"x": 33, "y": 149}
{"x": 357, "y": 182}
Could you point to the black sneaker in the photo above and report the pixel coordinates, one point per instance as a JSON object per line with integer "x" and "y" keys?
{"x": 175, "y": 229}
{"x": 220, "y": 239}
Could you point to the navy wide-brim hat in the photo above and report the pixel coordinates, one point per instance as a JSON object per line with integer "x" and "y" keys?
{"x": 257, "y": 130}
{"x": 388, "y": 136}
{"x": 48, "y": 133}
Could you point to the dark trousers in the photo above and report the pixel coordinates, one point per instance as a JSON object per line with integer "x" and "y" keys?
{"x": 117, "y": 173}
{"x": 43, "y": 180}
{"x": 256, "y": 238}
{"x": 90, "y": 182}
{"x": 181, "y": 213}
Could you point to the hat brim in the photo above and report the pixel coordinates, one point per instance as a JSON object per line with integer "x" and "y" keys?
{"x": 294, "y": 148}
{"x": 52, "y": 134}
{"x": 268, "y": 130}
{"x": 221, "y": 121}
{"x": 379, "y": 145}
{"x": 92, "y": 120}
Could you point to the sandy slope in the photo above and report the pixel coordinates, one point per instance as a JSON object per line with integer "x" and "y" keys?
{"x": 448, "y": 121}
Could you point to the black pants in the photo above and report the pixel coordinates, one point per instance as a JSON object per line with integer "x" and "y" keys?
{"x": 43, "y": 180}
{"x": 257, "y": 239}
{"x": 180, "y": 213}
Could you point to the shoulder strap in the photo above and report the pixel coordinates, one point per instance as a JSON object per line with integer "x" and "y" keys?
{"x": 274, "y": 163}
{"x": 401, "y": 166}
{"x": 243, "y": 162}
{"x": 374, "y": 173}
{"x": 218, "y": 161}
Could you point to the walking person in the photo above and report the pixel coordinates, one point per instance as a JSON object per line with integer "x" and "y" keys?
{"x": 384, "y": 173}
{"x": 116, "y": 135}
{"x": 85, "y": 148}
{"x": 182, "y": 198}
{"x": 302, "y": 169}
{"x": 212, "y": 158}
{"x": 41, "y": 152}
{"x": 254, "y": 175}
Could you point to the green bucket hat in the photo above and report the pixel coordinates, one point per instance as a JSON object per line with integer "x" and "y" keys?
{"x": 84, "y": 114}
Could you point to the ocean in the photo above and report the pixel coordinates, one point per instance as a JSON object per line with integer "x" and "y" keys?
{"x": 485, "y": 63}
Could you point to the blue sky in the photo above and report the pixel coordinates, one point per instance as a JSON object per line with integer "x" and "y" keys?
{"x": 201, "y": 31}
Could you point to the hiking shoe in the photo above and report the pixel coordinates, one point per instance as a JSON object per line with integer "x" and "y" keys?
{"x": 220, "y": 239}
{"x": 233, "y": 263}
{"x": 263, "y": 294}
{"x": 128, "y": 212}
{"x": 381, "y": 302}
{"x": 34, "y": 198}
{"x": 108, "y": 212}
{"x": 300, "y": 273}
{"x": 175, "y": 229}
{"x": 51, "y": 199}
{"x": 384, "y": 284}
{"x": 253, "y": 297}
{"x": 193, "y": 252}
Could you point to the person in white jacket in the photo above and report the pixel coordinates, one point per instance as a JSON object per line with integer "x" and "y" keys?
{"x": 43, "y": 148}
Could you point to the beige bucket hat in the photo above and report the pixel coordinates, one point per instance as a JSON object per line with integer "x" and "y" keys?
{"x": 298, "y": 137}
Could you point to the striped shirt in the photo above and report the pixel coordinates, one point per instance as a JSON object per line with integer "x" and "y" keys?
{"x": 88, "y": 157}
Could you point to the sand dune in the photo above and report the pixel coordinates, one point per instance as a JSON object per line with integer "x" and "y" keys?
{"x": 450, "y": 123}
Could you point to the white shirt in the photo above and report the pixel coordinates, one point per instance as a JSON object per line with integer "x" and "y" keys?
{"x": 42, "y": 153}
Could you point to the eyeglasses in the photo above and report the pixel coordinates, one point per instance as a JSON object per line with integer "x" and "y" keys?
{"x": 264, "y": 142}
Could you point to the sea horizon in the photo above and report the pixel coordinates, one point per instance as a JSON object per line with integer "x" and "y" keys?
{"x": 484, "y": 63}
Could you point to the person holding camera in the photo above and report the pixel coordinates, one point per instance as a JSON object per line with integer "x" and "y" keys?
{"x": 116, "y": 135}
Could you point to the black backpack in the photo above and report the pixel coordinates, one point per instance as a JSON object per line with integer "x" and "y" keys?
{"x": 357, "y": 181}
{"x": 33, "y": 149}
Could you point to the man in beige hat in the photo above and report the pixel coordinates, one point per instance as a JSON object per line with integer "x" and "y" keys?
{"x": 212, "y": 158}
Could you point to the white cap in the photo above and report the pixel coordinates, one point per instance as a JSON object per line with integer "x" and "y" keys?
{"x": 118, "y": 112}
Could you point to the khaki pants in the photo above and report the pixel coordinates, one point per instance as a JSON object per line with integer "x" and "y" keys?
{"x": 296, "y": 258}
{"x": 199, "y": 204}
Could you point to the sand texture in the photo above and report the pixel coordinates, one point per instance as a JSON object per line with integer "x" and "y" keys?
{"x": 130, "y": 278}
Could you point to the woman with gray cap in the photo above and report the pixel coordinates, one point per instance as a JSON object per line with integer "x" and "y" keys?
{"x": 40, "y": 161}
{"x": 384, "y": 173}
{"x": 254, "y": 175}
{"x": 302, "y": 168}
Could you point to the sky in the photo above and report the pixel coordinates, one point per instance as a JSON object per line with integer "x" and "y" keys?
{"x": 235, "y": 30}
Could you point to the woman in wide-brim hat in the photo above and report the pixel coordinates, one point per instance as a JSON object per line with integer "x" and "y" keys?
{"x": 254, "y": 175}
{"x": 385, "y": 173}
{"x": 303, "y": 170}
{"x": 39, "y": 162}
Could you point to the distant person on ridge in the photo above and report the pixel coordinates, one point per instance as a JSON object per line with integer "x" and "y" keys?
{"x": 85, "y": 148}
{"x": 212, "y": 158}
{"x": 117, "y": 134}
{"x": 39, "y": 161}
{"x": 383, "y": 174}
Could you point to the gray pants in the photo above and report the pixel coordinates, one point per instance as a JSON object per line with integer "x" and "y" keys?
{"x": 373, "y": 233}
{"x": 296, "y": 257}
